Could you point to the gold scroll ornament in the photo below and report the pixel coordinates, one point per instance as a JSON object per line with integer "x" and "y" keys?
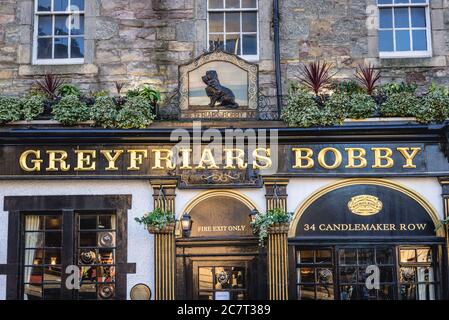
{"x": 365, "y": 205}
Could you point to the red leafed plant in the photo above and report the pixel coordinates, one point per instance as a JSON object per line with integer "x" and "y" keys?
{"x": 368, "y": 77}
{"x": 50, "y": 85}
{"x": 316, "y": 76}
{"x": 119, "y": 86}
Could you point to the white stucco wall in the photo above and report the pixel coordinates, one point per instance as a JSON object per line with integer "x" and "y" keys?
{"x": 140, "y": 243}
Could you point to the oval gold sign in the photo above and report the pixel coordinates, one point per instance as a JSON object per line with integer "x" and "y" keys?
{"x": 365, "y": 205}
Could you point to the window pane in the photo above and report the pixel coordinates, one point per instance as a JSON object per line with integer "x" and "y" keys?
{"x": 386, "y": 41}
{"x": 384, "y": 256}
{"x": 52, "y": 291}
{"x": 401, "y": 18}
{"x": 88, "y": 239}
{"x": 52, "y": 256}
{"x": 44, "y": 5}
{"x": 348, "y": 275}
{"x": 233, "y": 43}
{"x": 205, "y": 279}
{"x": 44, "y": 48}
{"x": 401, "y": 1}
{"x": 214, "y": 38}
{"x": 77, "y": 25}
{"x": 233, "y": 22}
{"x": 305, "y": 256}
{"x": 61, "y": 48}
{"x": 426, "y": 292}
{"x": 88, "y": 292}
{"x": 348, "y": 256}
{"x": 52, "y": 274}
{"x": 33, "y": 275}
{"x": 32, "y": 292}
{"x": 249, "y": 3}
{"x": 325, "y": 292}
{"x": 408, "y": 255}
{"x": 34, "y": 240}
{"x": 34, "y": 223}
{"x": 60, "y": 5}
{"x": 44, "y": 26}
{"x": 78, "y": 4}
{"x": 366, "y": 256}
{"x": 53, "y": 239}
{"x": 424, "y": 255}
{"x": 386, "y": 274}
{"x": 214, "y": 4}
{"x": 324, "y": 276}
{"x": 402, "y": 40}
{"x": 306, "y": 275}
{"x": 61, "y": 25}
{"x": 249, "y": 44}
{"x": 232, "y": 3}
{"x": 408, "y": 292}
{"x": 106, "y": 222}
{"x": 34, "y": 256}
{"x": 249, "y": 21}
{"x": 88, "y": 222}
{"x": 216, "y": 22}
{"x": 323, "y": 256}
{"x": 386, "y": 18}
{"x": 306, "y": 292}
{"x": 419, "y": 1}
{"x": 418, "y": 17}
{"x": 52, "y": 222}
{"x": 407, "y": 275}
{"x": 419, "y": 40}
{"x": 347, "y": 292}
{"x": 384, "y": 1}
{"x": 106, "y": 239}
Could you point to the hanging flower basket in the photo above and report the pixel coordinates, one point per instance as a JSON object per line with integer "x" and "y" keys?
{"x": 158, "y": 221}
{"x": 278, "y": 228}
{"x": 169, "y": 228}
{"x": 274, "y": 221}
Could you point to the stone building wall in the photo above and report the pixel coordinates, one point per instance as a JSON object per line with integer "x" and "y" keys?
{"x": 344, "y": 32}
{"x": 130, "y": 41}
{"x": 144, "y": 41}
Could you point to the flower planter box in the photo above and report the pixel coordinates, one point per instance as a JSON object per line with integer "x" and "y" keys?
{"x": 382, "y": 119}
{"x": 169, "y": 228}
{"x": 278, "y": 228}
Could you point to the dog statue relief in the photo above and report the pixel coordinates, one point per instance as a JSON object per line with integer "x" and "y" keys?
{"x": 217, "y": 93}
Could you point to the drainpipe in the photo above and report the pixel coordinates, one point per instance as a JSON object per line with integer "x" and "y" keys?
{"x": 277, "y": 55}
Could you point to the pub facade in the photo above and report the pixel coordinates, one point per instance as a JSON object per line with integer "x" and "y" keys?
{"x": 367, "y": 194}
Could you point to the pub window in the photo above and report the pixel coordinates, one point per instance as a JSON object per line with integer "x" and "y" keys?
{"x": 233, "y": 24}
{"x": 417, "y": 274}
{"x": 340, "y": 273}
{"x": 58, "y": 32}
{"x": 404, "y": 28}
{"x": 42, "y": 256}
{"x": 45, "y": 258}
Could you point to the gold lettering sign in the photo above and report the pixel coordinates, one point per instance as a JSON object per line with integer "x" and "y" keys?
{"x": 365, "y": 205}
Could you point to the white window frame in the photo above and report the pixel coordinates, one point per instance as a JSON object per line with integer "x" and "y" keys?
{"x": 411, "y": 53}
{"x": 252, "y": 57}
{"x": 66, "y": 61}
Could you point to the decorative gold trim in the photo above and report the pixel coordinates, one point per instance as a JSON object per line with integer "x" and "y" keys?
{"x": 371, "y": 181}
{"x": 216, "y": 193}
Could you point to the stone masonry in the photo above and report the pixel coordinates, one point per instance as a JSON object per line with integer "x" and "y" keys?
{"x": 143, "y": 41}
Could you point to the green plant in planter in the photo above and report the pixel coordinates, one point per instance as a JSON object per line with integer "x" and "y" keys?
{"x": 69, "y": 90}
{"x": 147, "y": 92}
{"x": 361, "y": 106}
{"x": 70, "y": 110}
{"x": 337, "y": 107}
{"x": 32, "y": 106}
{"x": 400, "y": 104}
{"x": 434, "y": 106}
{"x": 157, "y": 219}
{"x": 104, "y": 112}
{"x": 135, "y": 113}
{"x": 264, "y": 221}
{"x": 393, "y": 87}
{"x": 301, "y": 109}
{"x": 10, "y": 109}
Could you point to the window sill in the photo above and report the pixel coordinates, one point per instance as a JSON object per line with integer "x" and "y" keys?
{"x": 33, "y": 70}
{"x": 435, "y": 61}
{"x": 398, "y": 55}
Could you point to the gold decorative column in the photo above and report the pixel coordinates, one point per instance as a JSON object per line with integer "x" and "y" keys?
{"x": 445, "y": 194}
{"x": 164, "y": 242}
{"x": 276, "y": 196}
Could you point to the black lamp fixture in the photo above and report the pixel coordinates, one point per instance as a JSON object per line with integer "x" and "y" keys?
{"x": 186, "y": 223}
{"x": 253, "y": 215}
